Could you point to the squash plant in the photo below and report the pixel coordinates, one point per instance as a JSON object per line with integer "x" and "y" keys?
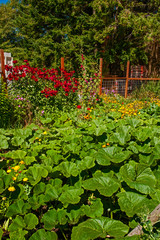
{"x": 79, "y": 179}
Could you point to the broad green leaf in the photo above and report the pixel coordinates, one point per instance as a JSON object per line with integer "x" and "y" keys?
{"x": 138, "y": 176}
{"x": 3, "y": 143}
{"x": 134, "y": 203}
{"x": 134, "y": 122}
{"x": 39, "y": 188}
{"x": 142, "y": 134}
{"x": 30, "y": 220}
{"x": 41, "y": 234}
{"x": 18, "y": 223}
{"x": 122, "y": 135}
{"x": 51, "y": 193}
{"x": 18, "y": 234}
{"x": 61, "y": 216}
{"x": 50, "y": 219}
{"x": 72, "y": 147}
{"x": 99, "y": 228}
{"x": 36, "y": 201}
{"x": 67, "y": 169}
{"x": 1, "y": 233}
{"x": 87, "y": 163}
{"x": 71, "y": 195}
{"x": 94, "y": 209}
{"x": 18, "y": 207}
{"x": 18, "y": 154}
{"x": 74, "y": 216}
{"x": 17, "y": 141}
{"x": 104, "y": 184}
{"x": 145, "y": 148}
{"x": 113, "y": 154}
{"x": 28, "y": 160}
{"x": 35, "y": 173}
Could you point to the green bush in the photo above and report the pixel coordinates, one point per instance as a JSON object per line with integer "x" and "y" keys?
{"x": 6, "y": 108}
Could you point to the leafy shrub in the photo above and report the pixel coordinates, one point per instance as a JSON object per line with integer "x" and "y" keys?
{"x": 6, "y": 108}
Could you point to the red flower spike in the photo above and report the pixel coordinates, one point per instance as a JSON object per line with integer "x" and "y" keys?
{"x": 79, "y": 107}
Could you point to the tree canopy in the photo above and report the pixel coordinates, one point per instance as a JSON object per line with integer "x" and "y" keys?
{"x": 117, "y": 30}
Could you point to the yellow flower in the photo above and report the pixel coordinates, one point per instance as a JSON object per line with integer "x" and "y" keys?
{"x": 3, "y": 198}
{"x": 11, "y": 189}
{"x": 25, "y": 179}
{"x": 22, "y": 162}
{"x": 17, "y": 175}
{"x": 103, "y": 146}
{"x": 107, "y": 144}
{"x": 45, "y": 132}
{"x": 16, "y": 168}
{"x": 14, "y": 178}
{"x": 9, "y": 170}
{"x": 37, "y": 138}
{"x": 40, "y": 140}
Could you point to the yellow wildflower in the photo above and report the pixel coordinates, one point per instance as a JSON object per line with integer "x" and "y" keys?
{"x": 3, "y": 198}
{"x": 37, "y": 138}
{"x": 45, "y": 132}
{"x": 9, "y": 170}
{"x": 103, "y": 146}
{"x": 14, "y": 178}
{"x": 11, "y": 189}
{"x": 25, "y": 179}
{"x": 107, "y": 144}
{"x": 40, "y": 140}
{"x": 22, "y": 162}
{"x": 17, "y": 175}
{"x": 16, "y": 168}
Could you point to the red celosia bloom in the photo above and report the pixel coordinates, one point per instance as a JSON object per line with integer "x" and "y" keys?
{"x": 25, "y": 61}
{"x": 79, "y": 106}
{"x": 15, "y": 61}
{"x": 88, "y": 109}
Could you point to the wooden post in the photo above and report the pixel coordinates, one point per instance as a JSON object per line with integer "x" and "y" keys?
{"x": 127, "y": 76}
{"x": 2, "y": 66}
{"x": 62, "y": 66}
{"x": 100, "y": 73}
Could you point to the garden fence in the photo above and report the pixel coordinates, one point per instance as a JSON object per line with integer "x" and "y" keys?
{"x": 124, "y": 85}
{"x": 133, "y": 78}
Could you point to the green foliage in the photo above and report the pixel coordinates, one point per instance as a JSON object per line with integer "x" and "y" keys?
{"x": 6, "y": 107}
{"x": 79, "y": 179}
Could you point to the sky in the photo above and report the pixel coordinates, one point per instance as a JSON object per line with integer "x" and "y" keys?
{"x": 3, "y": 1}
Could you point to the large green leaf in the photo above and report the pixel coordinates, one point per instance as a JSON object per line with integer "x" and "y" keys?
{"x": 41, "y": 234}
{"x": 19, "y": 207}
{"x": 18, "y": 223}
{"x": 104, "y": 184}
{"x": 99, "y": 227}
{"x": 94, "y": 209}
{"x": 50, "y": 219}
{"x": 142, "y": 134}
{"x": 18, "y": 154}
{"x": 67, "y": 169}
{"x": 3, "y": 143}
{"x": 30, "y": 221}
{"x": 74, "y": 216}
{"x": 35, "y": 173}
{"x": 134, "y": 203}
{"x": 113, "y": 154}
{"x": 18, "y": 234}
{"x": 122, "y": 135}
{"x": 71, "y": 195}
{"x": 138, "y": 176}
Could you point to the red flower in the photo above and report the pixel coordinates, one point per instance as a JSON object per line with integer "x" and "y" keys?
{"x": 79, "y": 106}
{"x": 25, "y": 61}
{"x": 15, "y": 61}
{"x": 88, "y": 109}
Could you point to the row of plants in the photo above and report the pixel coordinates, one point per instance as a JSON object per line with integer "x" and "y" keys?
{"x": 78, "y": 178}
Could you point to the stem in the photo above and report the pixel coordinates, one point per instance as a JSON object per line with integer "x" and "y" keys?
{"x": 63, "y": 234}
